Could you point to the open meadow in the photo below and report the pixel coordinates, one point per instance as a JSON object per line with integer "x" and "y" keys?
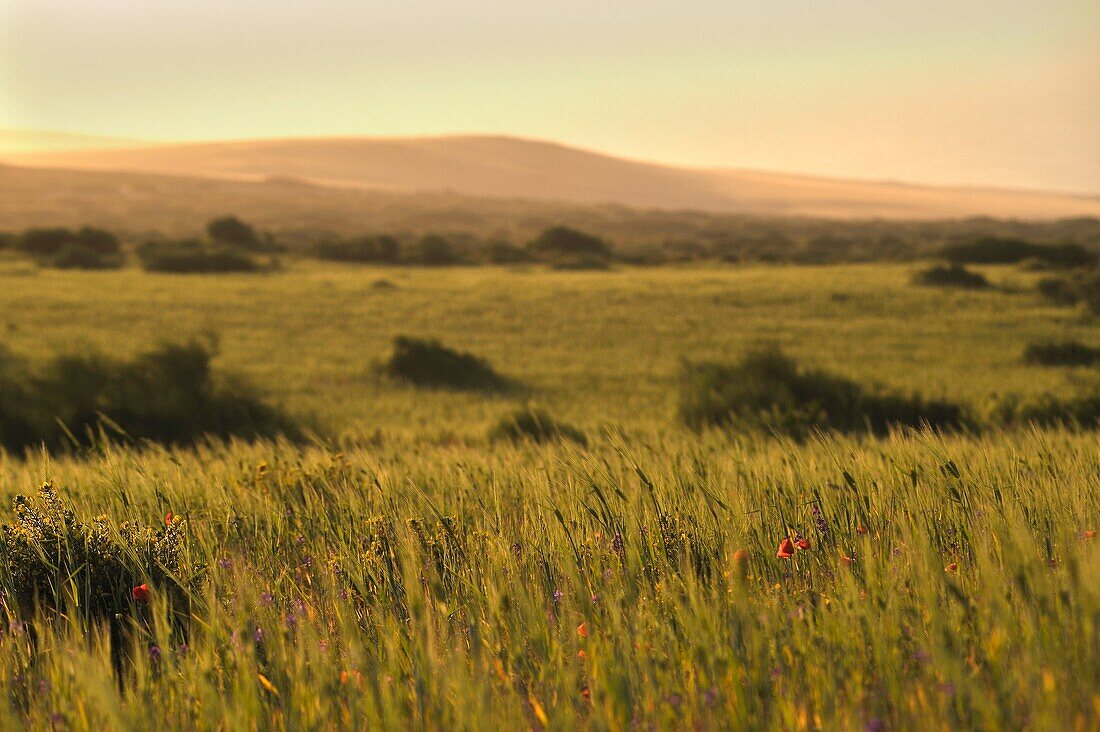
{"x": 400, "y": 566}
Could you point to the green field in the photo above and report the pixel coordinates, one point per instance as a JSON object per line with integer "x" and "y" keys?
{"x": 949, "y": 581}
{"x": 596, "y": 348}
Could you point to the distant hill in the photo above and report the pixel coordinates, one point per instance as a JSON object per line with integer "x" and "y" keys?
{"x": 515, "y": 169}
{"x": 137, "y": 205}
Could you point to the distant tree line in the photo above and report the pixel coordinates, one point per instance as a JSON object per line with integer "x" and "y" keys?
{"x": 558, "y": 246}
{"x": 231, "y": 244}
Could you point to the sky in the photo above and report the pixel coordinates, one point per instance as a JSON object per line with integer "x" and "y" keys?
{"x": 970, "y": 92}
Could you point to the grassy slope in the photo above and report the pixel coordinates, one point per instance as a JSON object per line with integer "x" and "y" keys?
{"x": 594, "y": 347}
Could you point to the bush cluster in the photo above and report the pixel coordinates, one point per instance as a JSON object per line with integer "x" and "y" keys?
{"x": 169, "y": 395}
{"x": 428, "y": 363}
{"x": 1078, "y": 288}
{"x": 954, "y": 275}
{"x": 195, "y": 256}
{"x": 767, "y": 390}
{"x": 366, "y": 249}
{"x": 1061, "y": 353}
{"x": 86, "y": 248}
{"x": 534, "y": 424}
{"x": 1000, "y": 250}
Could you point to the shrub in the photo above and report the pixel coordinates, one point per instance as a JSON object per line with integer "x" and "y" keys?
{"x": 87, "y": 248}
{"x": 950, "y": 276}
{"x": 168, "y": 395}
{"x": 501, "y": 252}
{"x": 60, "y": 564}
{"x": 74, "y": 256}
{"x": 559, "y": 241}
{"x": 1081, "y": 287}
{"x": 194, "y": 256}
{"x": 433, "y": 251}
{"x": 536, "y": 425}
{"x": 427, "y": 363}
{"x": 1061, "y": 353}
{"x": 997, "y": 250}
{"x": 767, "y": 390}
{"x": 233, "y": 231}
{"x": 48, "y": 242}
{"x": 360, "y": 249}
{"x": 1047, "y": 410}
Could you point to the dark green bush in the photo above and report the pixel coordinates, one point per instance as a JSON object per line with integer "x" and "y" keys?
{"x": 1047, "y": 410}
{"x": 536, "y": 425}
{"x": 234, "y": 232}
{"x": 1082, "y": 287}
{"x": 195, "y": 256}
{"x": 427, "y": 363}
{"x": 997, "y": 250}
{"x": 1061, "y": 353}
{"x": 74, "y": 256}
{"x": 767, "y": 390}
{"x": 560, "y": 241}
{"x": 169, "y": 395}
{"x": 954, "y": 275}
{"x": 433, "y": 251}
{"x": 87, "y": 248}
{"x": 48, "y": 242}
{"x": 379, "y": 249}
{"x": 501, "y": 252}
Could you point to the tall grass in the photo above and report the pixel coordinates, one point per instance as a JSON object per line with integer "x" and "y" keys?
{"x": 947, "y": 582}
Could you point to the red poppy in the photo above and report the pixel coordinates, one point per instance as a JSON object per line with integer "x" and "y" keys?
{"x": 1088, "y": 534}
{"x": 741, "y": 555}
{"x": 168, "y": 519}
{"x": 582, "y": 630}
{"x": 861, "y": 529}
{"x": 803, "y": 543}
{"x": 786, "y": 549}
{"x": 141, "y": 593}
{"x": 951, "y": 567}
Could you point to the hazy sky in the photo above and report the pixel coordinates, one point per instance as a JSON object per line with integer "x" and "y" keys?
{"x": 948, "y": 91}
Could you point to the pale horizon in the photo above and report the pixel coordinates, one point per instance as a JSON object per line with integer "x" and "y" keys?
{"x": 1003, "y": 95}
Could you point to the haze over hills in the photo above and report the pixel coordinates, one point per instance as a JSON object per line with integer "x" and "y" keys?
{"x": 491, "y": 167}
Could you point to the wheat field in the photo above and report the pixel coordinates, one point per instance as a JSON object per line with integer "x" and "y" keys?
{"x": 399, "y": 569}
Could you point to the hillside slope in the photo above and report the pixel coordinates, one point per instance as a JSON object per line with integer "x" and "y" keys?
{"x": 502, "y": 167}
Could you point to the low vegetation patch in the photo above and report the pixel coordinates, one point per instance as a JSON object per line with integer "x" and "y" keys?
{"x": 195, "y": 256}
{"x": 534, "y": 424}
{"x": 86, "y": 248}
{"x": 364, "y": 249}
{"x": 567, "y": 248}
{"x": 428, "y": 363}
{"x": 767, "y": 390}
{"x": 1048, "y": 410}
{"x": 1079, "y": 288}
{"x": 1000, "y": 250}
{"x": 1061, "y": 353}
{"x": 169, "y": 395}
{"x": 953, "y": 275}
